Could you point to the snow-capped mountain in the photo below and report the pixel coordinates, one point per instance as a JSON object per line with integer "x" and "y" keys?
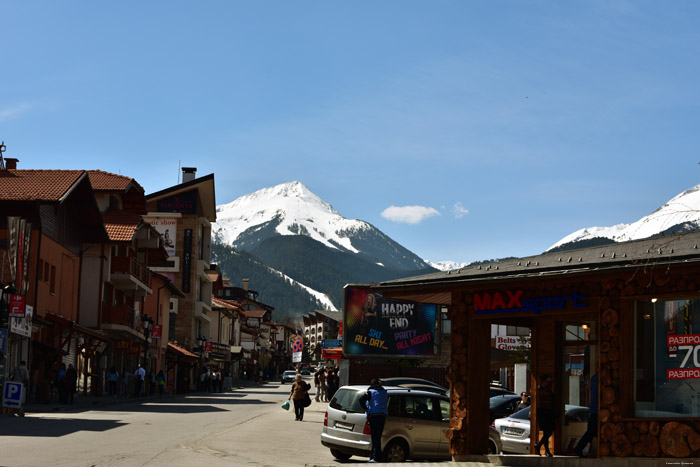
{"x": 291, "y": 209}
{"x": 294, "y": 209}
{"x": 293, "y": 232}
{"x": 446, "y": 265}
{"x": 682, "y": 213}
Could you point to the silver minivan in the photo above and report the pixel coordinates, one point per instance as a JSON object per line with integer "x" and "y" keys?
{"x": 415, "y": 427}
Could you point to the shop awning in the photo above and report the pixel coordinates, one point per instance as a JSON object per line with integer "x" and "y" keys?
{"x": 332, "y": 354}
{"x": 184, "y": 354}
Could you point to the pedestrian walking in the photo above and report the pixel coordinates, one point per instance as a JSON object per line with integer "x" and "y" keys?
{"x": 324, "y": 385}
{"x": 545, "y": 413}
{"x": 112, "y": 381}
{"x": 592, "y": 428}
{"x": 160, "y": 381}
{"x": 299, "y": 395}
{"x": 375, "y": 402}
{"x": 317, "y": 384}
{"x": 71, "y": 382}
{"x": 61, "y": 383}
{"x": 139, "y": 376}
{"x": 20, "y": 374}
{"x": 333, "y": 382}
{"x": 125, "y": 382}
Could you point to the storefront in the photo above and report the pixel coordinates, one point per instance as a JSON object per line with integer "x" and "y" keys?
{"x": 629, "y": 312}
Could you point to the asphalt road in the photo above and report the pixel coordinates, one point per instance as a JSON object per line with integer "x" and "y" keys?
{"x": 243, "y": 427}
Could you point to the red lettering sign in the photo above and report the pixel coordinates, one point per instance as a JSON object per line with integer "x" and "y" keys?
{"x": 17, "y": 306}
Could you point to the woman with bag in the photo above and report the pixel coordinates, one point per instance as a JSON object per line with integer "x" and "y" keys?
{"x": 299, "y": 394}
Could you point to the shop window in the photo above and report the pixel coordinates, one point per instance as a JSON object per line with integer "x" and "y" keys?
{"x": 667, "y": 358}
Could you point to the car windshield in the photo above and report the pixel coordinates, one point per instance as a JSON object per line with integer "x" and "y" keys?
{"x": 523, "y": 414}
{"x": 289, "y": 373}
{"x": 347, "y": 400}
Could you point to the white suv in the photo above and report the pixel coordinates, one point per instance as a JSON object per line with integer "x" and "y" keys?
{"x": 415, "y": 427}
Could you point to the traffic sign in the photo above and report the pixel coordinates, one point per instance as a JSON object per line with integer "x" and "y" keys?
{"x": 12, "y": 395}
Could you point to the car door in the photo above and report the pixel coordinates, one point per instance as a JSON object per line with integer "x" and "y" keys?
{"x": 424, "y": 425}
{"x": 445, "y": 417}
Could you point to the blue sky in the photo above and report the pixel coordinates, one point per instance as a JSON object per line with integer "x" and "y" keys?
{"x": 494, "y": 127}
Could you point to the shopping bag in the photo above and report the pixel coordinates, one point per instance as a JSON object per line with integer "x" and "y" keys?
{"x": 285, "y": 406}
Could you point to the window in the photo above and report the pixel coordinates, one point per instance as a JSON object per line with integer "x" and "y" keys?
{"x": 52, "y": 280}
{"x": 667, "y": 358}
{"x": 47, "y": 266}
{"x": 420, "y": 407}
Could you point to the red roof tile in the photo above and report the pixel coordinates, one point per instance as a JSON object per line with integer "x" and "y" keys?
{"x": 120, "y": 225}
{"x": 37, "y": 185}
{"x": 106, "y": 181}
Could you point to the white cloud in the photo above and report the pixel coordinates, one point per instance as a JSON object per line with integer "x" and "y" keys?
{"x": 13, "y": 112}
{"x": 409, "y": 214}
{"x": 459, "y": 211}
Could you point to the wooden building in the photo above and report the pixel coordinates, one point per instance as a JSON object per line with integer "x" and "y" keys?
{"x": 628, "y": 311}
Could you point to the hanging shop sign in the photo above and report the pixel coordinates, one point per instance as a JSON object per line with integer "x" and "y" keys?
{"x": 157, "y": 331}
{"x": 23, "y": 325}
{"x": 514, "y": 302}
{"x": 187, "y": 260}
{"x": 17, "y": 306}
{"x": 374, "y": 325}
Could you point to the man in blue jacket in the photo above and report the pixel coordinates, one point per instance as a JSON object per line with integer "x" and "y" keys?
{"x": 375, "y": 401}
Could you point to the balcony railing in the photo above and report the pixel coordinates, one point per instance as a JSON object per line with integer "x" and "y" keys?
{"x": 128, "y": 265}
{"x": 117, "y": 315}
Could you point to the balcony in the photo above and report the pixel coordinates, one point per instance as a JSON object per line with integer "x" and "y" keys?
{"x": 130, "y": 274}
{"x": 117, "y": 315}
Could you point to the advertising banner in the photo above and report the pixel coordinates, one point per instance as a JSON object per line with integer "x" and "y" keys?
{"x": 167, "y": 228}
{"x": 374, "y": 325}
{"x": 23, "y": 325}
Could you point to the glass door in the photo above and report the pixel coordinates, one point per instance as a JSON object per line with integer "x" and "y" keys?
{"x": 580, "y": 363}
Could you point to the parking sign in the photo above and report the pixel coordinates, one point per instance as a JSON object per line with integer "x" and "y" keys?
{"x": 12, "y": 394}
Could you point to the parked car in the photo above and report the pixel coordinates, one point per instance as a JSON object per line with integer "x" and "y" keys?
{"x": 305, "y": 371}
{"x": 415, "y": 383}
{"x": 498, "y": 391}
{"x": 495, "y": 444}
{"x": 289, "y": 376}
{"x": 502, "y": 406}
{"x": 515, "y": 429}
{"x": 414, "y": 429}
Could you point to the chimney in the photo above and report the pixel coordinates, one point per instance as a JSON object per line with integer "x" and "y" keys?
{"x": 245, "y": 284}
{"x": 11, "y": 163}
{"x": 188, "y": 174}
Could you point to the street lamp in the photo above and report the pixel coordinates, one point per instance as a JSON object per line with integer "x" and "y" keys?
{"x": 147, "y": 324}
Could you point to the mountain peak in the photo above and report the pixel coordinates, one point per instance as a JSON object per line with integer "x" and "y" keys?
{"x": 681, "y": 213}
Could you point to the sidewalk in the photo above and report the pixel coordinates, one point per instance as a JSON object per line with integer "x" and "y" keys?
{"x": 81, "y": 402}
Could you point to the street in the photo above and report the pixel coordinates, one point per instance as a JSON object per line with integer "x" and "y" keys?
{"x": 242, "y": 427}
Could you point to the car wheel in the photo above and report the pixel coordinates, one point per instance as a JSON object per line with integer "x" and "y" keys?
{"x": 396, "y": 451}
{"x": 492, "y": 448}
{"x": 340, "y": 455}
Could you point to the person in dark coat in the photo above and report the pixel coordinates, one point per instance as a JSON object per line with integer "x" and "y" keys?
{"x": 299, "y": 393}
{"x": 545, "y": 413}
{"x": 71, "y": 382}
{"x": 375, "y": 401}
{"x": 592, "y": 428}
{"x": 333, "y": 382}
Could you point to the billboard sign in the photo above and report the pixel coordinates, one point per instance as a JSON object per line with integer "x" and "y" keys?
{"x": 167, "y": 228}
{"x": 23, "y": 325}
{"x": 374, "y": 325}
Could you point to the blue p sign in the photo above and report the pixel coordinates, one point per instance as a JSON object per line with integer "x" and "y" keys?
{"x": 12, "y": 395}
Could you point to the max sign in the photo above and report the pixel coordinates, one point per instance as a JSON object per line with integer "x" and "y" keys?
{"x": 513, "y": 302}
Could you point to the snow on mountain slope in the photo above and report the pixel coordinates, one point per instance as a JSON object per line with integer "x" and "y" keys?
{"x": 320, "y": 296}
{"x": 298, "y": 210}
{"x": 680, "y": 213}
{"x": 446, "y": 265}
